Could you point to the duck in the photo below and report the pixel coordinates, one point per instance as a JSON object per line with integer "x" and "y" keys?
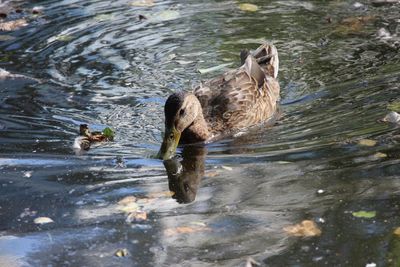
{"x": 231, "y": 102}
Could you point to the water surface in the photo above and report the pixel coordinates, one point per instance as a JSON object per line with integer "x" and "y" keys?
{"x": 101, "y": 64}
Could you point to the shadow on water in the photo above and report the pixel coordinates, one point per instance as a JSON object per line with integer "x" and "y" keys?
{"x": 184, "y": 176}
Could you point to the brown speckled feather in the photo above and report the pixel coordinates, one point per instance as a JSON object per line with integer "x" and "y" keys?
{"x": 243, "y": 97}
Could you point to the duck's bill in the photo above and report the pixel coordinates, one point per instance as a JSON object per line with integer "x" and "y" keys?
{"x": 169, "y": 144}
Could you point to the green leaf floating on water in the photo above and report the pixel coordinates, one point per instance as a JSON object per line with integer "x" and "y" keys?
{"x": 364, "y": 214}
{"x": 108, "y": 133}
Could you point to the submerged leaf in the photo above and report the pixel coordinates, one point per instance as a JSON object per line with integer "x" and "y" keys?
{"x": 380, "y": 155}
{"x": 6, "y": 38}
{"x": 165, "y": 15}
{"x": 64, "y": 38}
{"x": 306, "y": 228}
{"x": 185, "y": 230}
{"x": 43, "y": 220}
{"x": 129, "y": 207}
{"x": 397, "y": 231}
{"x": 127, "y": 200}
{"x": 367, "y": 142}
{"x": 394, "y": 106}
{"x": 143, "y": 3}
{"x": 364, "y": 214}
{"x": 104, "y": 17}
{"x": 248, "y": 7}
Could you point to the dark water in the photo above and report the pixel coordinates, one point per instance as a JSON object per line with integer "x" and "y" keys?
{"x": 100, "y": 64}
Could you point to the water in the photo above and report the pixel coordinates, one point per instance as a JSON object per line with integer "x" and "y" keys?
{"x": 100, "y": 64}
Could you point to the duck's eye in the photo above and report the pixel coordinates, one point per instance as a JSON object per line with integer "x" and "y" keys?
{"x": 181, "y": 112}
{"x": 171, "y": 136}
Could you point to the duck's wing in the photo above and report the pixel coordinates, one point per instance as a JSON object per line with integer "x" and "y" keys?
{"x": 242, "y": 97}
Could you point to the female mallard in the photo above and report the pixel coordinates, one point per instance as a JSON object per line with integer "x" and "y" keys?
{"x": 235, "y": 100}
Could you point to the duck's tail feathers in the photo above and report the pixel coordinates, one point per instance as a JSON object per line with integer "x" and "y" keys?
{"x": 266, "y": 56}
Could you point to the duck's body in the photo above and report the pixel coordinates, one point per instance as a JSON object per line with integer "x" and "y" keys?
{"x": 235, "y": 100}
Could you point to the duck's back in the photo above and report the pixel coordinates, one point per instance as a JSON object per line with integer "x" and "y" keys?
{"x": 243, "y": 97}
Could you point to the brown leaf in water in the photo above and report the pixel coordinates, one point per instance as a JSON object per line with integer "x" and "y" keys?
{"x": 123, "y": 252}
{"x": 306, "y": 228}
{"x": 136, "y": 216}
{"x": 188, "y": 229}
{"x": 13, "y": 25}
{"x": 160, "y": 194}
{"x": 353, "y": 25}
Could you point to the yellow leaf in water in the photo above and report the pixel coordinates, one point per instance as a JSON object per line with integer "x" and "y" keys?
{"x": 248, "y": 7}
{"x": 128, "y": 208}
{"x": 43, "y": 220}
{"x": 367, "y": 142}
{"x": 306, "y": 228}
{"x": 380, "y": 155}
{"x": 143, "y": 3}
{"x": 127, "y": 200}
{"x": 226, "y": 168}
{"x": 121, "y": 252}
{"x": 397, "y": 231}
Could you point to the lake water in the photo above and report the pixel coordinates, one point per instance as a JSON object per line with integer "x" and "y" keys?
{"x": 113, "y": 63}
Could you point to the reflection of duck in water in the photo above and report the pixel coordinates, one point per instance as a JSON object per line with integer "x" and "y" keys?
{"x": 235, "y": 100}
{"x": 184, "y": 177}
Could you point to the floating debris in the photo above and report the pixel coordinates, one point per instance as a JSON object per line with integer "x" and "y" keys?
{"x": 123, "y": 252}
{"x": 364, "y": 214}
{"x": 127, "y": 200}
{"x": 143, "y": 3}
{"x": 212, "y": 69}
{"x": 227, "y": 168}
{"x": 306, "y": 228}
{"x": 43, "y": 220}
{"x": 86, "y": 138}
{"x": 248, "y": 7}
{"x": 13, "y": 25}
{"x": 137, "y": 216}
{"x": 185, "y": 230}
{"x": 367, "y": 142}
{"x": 397, "y": 231}
{"x": 28, "y": 174}
{"x": 129, "y": 207}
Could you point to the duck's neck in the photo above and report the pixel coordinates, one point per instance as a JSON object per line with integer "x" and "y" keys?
{"x": 197, "y": 131}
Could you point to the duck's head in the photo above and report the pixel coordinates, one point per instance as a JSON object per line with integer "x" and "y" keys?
{"x": 181, "y": 109}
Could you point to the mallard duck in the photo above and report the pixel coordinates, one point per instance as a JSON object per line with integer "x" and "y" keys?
{"x": 235, "y": 100}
